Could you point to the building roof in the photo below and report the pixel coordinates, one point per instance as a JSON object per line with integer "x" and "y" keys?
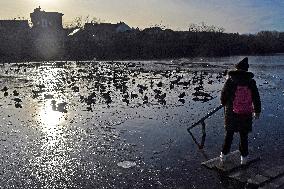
{"x": 14, "y": 24}
{"x": 107, "y": 27}
{"x": 39, "y": 11}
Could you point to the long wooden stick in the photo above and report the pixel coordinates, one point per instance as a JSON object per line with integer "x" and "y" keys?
{"x": 205, "y": 117}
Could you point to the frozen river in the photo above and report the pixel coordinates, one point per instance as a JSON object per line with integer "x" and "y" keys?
{"x": 123, "y": 124}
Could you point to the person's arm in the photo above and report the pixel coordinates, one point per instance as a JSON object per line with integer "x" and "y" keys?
{"x": 256, "y": 100}
{"x": 225, "y": 94}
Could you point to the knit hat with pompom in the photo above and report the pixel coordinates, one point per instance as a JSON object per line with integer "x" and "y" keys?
{"x": 243, "y": 64}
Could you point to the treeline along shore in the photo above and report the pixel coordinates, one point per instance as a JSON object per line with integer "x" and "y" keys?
{"x": 155, "y": 43}
{"x": 150, "y": 43}
{"x": 146, "y": 44}
{"x": 48, "y": 40}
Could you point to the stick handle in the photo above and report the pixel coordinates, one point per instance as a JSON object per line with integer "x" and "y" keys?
{"x": 205, "y": 117}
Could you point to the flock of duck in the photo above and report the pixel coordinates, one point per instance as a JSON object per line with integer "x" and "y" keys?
{"x": 109, "y": 83}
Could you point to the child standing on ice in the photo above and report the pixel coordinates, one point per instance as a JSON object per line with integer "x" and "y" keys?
{"x": 241, "y": 101}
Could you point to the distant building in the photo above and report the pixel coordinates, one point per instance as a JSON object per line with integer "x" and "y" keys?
{"x": 46, "y": 20}
{"x": 153, "y": 30}
{"x": 14, "y": 37}
{"x": 104, "y": 31}
{"x": 122, "y": 27}
{"x": 106, "y": 27}
{"x": 48, "y": 34}
{"x": 14, "y": 25}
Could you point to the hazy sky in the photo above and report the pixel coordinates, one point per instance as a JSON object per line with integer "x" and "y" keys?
{"x": 243, "y": 16}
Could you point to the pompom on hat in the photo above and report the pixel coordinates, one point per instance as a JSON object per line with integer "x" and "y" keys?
{"x": 243, "y": 64}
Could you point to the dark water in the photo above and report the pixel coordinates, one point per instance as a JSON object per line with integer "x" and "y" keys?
{"x": 123, "y": 124}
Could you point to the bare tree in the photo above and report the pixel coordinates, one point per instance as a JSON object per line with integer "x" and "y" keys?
{"x": 80, "y": 21}
{"x": 203, "y": 27}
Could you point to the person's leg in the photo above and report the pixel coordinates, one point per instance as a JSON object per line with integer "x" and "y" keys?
{"x": 227, "y": 142}
{"x": 243, "y": 146}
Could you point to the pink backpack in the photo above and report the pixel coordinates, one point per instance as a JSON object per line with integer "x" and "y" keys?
{"x": 242, "y": 103}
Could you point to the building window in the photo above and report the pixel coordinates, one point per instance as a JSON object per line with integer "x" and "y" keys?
{"x": 44, "y": 23}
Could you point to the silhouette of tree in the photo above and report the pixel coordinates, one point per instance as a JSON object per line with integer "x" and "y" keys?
{"x": 151, "y": 43}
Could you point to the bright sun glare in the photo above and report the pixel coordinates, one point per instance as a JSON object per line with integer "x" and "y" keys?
{"x": 51, "y": 122}
{"x": 44, "y": 1}
{"x": 45, "y": 4}
{"x": 49, "y": 118}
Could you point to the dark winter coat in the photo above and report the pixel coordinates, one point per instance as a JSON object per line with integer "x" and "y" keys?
{"x": 235, "y": 122}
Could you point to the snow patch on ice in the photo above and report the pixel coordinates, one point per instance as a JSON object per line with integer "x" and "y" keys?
{"x": 126, "y": 164}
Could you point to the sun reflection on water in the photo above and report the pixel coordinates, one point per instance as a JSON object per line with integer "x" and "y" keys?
{"x": 49, "y": 118}
{"x": 52, "y": 125}
{"x": 51, "y": 164}
{"x": 53, "y": 160}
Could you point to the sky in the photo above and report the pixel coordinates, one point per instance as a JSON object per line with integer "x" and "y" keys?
{"x": 242, "y": 16}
